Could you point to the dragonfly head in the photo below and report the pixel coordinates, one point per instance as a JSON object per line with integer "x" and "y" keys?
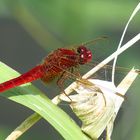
{"x": 85, "y": 55}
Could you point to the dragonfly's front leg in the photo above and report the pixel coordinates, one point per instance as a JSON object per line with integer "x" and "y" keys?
{"x": 60, "y": 82}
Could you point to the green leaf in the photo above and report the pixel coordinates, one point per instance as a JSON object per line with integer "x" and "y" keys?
{"x": 31, "y": 97}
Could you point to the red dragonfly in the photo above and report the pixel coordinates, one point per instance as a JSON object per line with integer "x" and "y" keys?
{"x": 55, "y": 64}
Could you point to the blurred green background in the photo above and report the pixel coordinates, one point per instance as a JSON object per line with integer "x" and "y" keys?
{"x": 29, "y": 30}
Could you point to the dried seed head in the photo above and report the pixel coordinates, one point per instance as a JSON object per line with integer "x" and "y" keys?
{"x": 93, "y": 107}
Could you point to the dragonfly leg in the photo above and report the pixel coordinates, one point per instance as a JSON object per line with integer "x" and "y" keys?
{"x": 76, "y": 72}
{"x": 61, "y": 80}
{"x": 122, "y": 96}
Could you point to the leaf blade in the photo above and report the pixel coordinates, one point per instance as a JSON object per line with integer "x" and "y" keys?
{"x": 34, "y": 99}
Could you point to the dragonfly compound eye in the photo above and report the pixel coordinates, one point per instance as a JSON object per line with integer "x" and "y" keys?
{"x": 85, "y": 55}
{"x": 81, "y": 49}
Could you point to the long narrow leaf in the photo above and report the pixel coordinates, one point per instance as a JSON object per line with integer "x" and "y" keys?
{"x": 34, "y": 99}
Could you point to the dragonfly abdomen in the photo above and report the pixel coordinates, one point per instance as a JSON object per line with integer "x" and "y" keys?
{"x": 29, "y": 76}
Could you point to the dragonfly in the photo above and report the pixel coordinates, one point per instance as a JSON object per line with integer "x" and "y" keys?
{"x": 59, "y": 63}
{"x": 55, "y": 64}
